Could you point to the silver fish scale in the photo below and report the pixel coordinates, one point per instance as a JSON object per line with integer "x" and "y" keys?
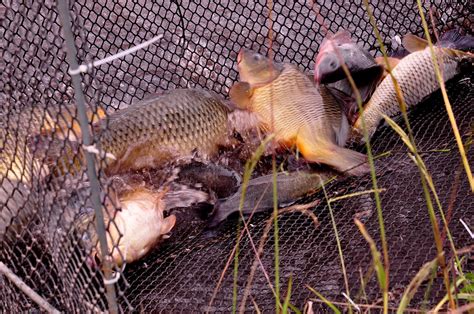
{"x": 416, "y": 77}
{"x": 297, "y": 104}
{"x": 180, "y": 119}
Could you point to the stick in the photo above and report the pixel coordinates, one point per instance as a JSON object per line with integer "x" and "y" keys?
{"x": 26, "y": 289}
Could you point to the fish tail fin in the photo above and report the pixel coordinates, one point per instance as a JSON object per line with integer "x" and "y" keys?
{"x": 454, "y": 40}
{"x": 342, "y": 159}
{"x": 184, "y": 196}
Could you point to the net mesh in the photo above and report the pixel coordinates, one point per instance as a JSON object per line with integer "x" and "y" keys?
{"x": 199, "y": 48}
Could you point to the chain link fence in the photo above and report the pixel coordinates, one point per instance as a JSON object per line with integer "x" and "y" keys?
{"x": 42, "y": 246}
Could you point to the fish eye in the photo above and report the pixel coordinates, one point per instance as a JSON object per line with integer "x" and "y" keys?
{"x": 257, "y": 57}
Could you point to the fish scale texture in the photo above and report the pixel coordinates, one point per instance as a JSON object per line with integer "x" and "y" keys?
{"x": 199, "y": 49}
{"x": 417, "y": 79}
{"x": 183, "y": 121}
{"x": 297, "y": 107}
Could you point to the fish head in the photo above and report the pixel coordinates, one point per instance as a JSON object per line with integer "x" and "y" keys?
{"x": 136, "y": 228}
{"x": 256, "y": 69}
{"x": 336, "y": 50}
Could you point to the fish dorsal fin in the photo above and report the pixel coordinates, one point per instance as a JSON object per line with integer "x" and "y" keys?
{"x": 414, "y": 43}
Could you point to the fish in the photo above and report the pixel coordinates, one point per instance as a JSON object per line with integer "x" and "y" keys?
{"x": 289, "y": 105}
{"x": 211, "y": 176}
{"x": 366, "y": 71}
{"x": 240, "y": 95}
{"x": 177, "y": 123}
{"x": 137, "y": 228}
{"x": 416, "y": 77}
{"x": 62, "y": 156}
{"x": 133, "y": 204}
{"x": 64, "y": 124}
{"x": 392, "y": 61}
{"x": 341, "y": 48}
{"x": 291, "y": 186}
{"x": 19, "y": 172}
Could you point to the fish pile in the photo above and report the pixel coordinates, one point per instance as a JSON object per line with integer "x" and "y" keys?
{"x": 188, "y": 146}
{"x": 416, "y": 76}
{"x": 413, "y": 69}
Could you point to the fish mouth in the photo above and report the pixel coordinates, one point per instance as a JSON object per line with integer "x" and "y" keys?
{"x": 317, "y": 76}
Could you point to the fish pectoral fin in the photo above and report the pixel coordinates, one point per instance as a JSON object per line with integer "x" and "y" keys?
{"x": 240, "y": 95}
{"x": 414, "y": 43}
{"x": 168, "y": 224}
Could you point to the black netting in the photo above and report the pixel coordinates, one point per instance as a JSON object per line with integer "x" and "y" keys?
{"x": 199, "y": 48}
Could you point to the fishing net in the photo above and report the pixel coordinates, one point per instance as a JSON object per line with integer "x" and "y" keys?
{"x": 199, "y": 48}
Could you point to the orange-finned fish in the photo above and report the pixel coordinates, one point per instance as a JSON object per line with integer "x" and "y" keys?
{"x": 299, "y": 113}
{"x": 173, "y": 124}
{"x": 19, "y": 172}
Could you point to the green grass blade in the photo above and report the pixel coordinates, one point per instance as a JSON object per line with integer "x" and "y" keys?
{"x": 326, "y": 301}
{"x": 288, "y": 296}
{"x": 376, "y": 256}
{"x": 339, "y": 247}
{"x": 415, "y": 283}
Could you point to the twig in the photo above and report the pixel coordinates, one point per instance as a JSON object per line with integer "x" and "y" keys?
{"x": 255, "y": 305}
{"x": 367, "y": 306}
{"x": 351, "y": 302}
{"x": 299, "y": 207}
{"x": 221, "y": 278}
{"x": 467, "y": 228}
{"x": 26, "y": 289}
{"x": 463, "y": 309}
{"x": 338, "y": 198}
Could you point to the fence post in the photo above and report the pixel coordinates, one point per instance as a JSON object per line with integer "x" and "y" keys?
{"x": 90, "y": 158}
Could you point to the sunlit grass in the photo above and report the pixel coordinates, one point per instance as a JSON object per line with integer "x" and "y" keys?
{"x": 415, "y": 283}
{"x": 249, "y": 168}
{"x": 409, "y": 141}
{"x": 326, "y": 301}
{"x": 376, "y": 258}
{"x": 338, "y": 241}
{"x": 447, "y": 103}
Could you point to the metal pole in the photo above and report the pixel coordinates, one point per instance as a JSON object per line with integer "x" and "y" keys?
{"x": 90, "y": 158}
{"x": 27, "y": 290}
